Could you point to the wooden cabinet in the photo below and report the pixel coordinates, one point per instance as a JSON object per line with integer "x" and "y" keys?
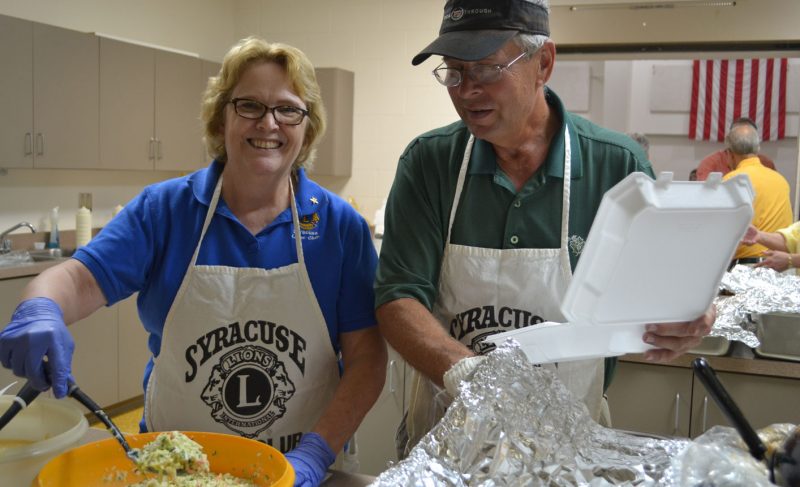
{"x": 178, "y": 130}
{"x": 110, "y": 348}
{"x": 16, "y": 93}
{"x": 65, "y": 102}
{"x": 94, "y": 362}
{"x": 670, "y": 401}
{"x": 335, "y": 151}
{"x": 133, "y": 350}
{"x": 149, "y": 108}
{"x": 375, "y": 436}
{"x": 651, "y": 399}
{"x": 762, "y": 400}
{"x": 48, "y": 94}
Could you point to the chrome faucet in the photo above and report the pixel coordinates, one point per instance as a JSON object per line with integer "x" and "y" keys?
{"x": 5, "y": 243}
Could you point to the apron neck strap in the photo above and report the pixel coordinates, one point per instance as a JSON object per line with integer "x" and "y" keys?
{"x": 212, "y": 208}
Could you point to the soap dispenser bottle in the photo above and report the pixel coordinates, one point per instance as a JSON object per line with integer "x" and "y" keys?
{"x": 53, "y": 243}
{"x": 83, "y": 220}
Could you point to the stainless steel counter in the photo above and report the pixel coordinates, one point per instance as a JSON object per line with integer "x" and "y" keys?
{"x": 335, "y": 479}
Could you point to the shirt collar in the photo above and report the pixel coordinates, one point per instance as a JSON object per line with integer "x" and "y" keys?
{"x": 310, "y": 196}
{"x": 749, "y": 162}
{"x": 484, "y": 160}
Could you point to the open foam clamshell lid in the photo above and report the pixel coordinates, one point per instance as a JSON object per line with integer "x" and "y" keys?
{"x": 656, "y": 253}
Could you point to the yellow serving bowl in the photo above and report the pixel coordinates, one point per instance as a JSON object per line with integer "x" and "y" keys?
{"x": 104, "y": 464}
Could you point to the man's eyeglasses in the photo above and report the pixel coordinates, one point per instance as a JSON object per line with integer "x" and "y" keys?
{"x": 479, "y": 73}
{"x": 255, "y": 110}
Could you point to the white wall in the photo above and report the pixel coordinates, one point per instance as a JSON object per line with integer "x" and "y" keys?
{"x": 394, "y": 101}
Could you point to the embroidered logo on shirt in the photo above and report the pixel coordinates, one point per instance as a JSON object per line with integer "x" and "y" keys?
{"x": 247, "y": 390}
{"x": 576, "y": 244}
{"x": 309, "y": 222}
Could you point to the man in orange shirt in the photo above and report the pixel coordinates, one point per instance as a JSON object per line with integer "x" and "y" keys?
{"x": 772, "y": 208}
{"x": 722, "y": 160}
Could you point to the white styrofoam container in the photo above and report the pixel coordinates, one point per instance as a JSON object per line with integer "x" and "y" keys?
{"x": 656, "y": 253}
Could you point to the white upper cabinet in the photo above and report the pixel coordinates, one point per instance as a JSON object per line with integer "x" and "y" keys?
{"x": 16, "y": 93}
{"x": 179, "y": 135}
{"x": 65, "y": 101}
{"x": 127, "y": 105}
{"x": 149, "y": 108}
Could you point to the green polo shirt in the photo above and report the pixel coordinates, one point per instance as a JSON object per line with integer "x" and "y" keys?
{"x": 491, "y": 213}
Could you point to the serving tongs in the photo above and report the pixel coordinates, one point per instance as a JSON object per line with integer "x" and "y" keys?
{"x": 76, "y": 393}
{"x": 22, "y": 400}
{"x": 784, "y": 462}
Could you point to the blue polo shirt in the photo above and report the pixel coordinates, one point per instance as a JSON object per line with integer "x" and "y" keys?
{"x": 147, "y": 248}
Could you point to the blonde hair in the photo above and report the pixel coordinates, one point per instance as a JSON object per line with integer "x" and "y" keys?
{"x": 302, "y": 79}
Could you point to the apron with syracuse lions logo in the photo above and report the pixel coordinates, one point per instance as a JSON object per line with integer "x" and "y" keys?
{"x": 244, "y": 351}
{"x": 485, "y": 291}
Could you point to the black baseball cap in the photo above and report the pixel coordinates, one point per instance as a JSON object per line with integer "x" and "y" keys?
{"x": 474, "y": 29}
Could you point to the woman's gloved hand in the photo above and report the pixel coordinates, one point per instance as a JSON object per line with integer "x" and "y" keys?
{"x": 310, "y": 460}
{"x": 37, "y": 330}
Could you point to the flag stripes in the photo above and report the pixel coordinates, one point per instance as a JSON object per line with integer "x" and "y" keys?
{"x": 724, "y": 90}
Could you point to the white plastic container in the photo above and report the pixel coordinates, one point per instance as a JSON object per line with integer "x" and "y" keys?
{"x": 655, "y": 254}
{"x": 51, "y": 426}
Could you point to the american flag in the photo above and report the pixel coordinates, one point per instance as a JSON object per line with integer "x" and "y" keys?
{"x": 724, "y": 90}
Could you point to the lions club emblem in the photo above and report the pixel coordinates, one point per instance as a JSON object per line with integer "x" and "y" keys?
{"x": 248, "y": 390}
{"x": 309, "y": 222}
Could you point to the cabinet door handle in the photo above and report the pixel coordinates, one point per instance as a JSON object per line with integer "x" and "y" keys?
{"x": 28, "y": 143}
{"x": 151, "y": 151}
{"x": 705, "y": 412}
{"x": 158, "y": 145}
{"x": 39, "y": 144}
{"x": 391, "y": 377}
{"x": 676, "y": 429}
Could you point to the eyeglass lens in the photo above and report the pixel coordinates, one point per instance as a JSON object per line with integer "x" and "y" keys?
{"x": 255, "y": 110}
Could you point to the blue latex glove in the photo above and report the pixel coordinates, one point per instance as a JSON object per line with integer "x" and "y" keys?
{"x": 310, "y": 460}
{"x": 37, "y": 330}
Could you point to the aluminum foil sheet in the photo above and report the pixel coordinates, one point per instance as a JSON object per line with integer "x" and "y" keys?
{"x": 515, "y": 424}
{"x": 756, "y": 291}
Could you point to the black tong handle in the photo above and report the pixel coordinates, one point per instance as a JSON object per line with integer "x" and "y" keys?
{"x": 24, "y": 397}
{"x": 712, "y": 384}
{"x": 76, "y": 393}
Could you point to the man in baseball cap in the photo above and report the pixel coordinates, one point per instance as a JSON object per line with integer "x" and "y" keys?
{"x": 487, "y": 216}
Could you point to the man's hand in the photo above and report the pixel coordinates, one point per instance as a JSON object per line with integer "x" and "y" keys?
{"x": 460, "y": 371}
{"x": 674, "y": 339}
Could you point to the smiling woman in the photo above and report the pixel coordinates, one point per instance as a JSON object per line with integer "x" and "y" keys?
{"x": 246, "y": 307}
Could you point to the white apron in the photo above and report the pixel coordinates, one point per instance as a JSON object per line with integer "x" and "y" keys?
{"x": 486, "y": 291}
{"x": 244, "y": 351}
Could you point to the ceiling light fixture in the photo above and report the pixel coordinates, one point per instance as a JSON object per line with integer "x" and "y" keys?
{"x": 651, "y": 6}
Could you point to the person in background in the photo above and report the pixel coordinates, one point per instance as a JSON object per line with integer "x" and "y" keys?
{"x": 772, "y": 208}
{"x": 491, "y": 212}
{"x": 693, "y": 175}
{"x": 643, "y": 141}
{"x": 783, "y": 246}
{"x": 253, "y": 280}
{"x": 722, "y": 160}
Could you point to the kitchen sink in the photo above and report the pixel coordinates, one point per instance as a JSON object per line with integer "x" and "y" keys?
{"x": 27, "y": 257}
{"x": 49, "y": 254}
